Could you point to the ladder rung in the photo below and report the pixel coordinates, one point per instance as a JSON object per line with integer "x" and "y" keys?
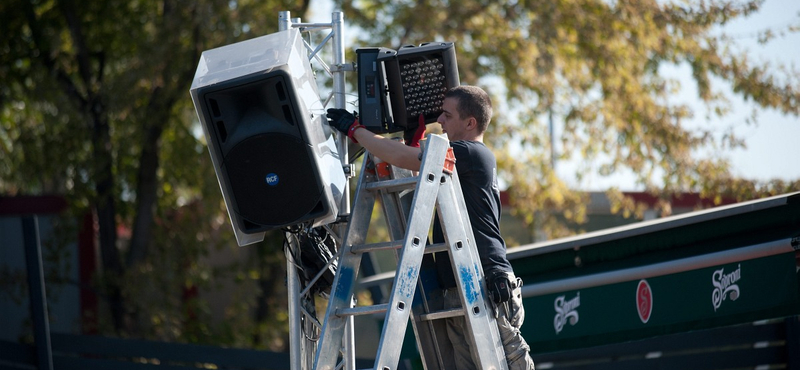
{"x": 362, "y": 310}
{"x": 393, "y": 185}
{"x": 366, "y": 248}
{"x": 376, "y": 280}
{"x": 453, "y": 312}
{"x": 438, "y": 247}
{"x": 396, "y": 244}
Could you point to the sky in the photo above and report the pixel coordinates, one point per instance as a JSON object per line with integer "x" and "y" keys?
{"x": 773, "y": 145}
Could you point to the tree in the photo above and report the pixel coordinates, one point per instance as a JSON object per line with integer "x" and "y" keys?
{"x": 594, "y": 65}
{"x": 95, "y": 106}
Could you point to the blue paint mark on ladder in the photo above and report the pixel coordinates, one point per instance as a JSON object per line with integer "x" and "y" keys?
{"x": 407, "y": 283}
{"x": 345, "y": 278}
{"x": 468, "y": 281}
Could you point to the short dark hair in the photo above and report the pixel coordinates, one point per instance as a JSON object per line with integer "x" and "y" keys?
{"x": 472, "y": 102}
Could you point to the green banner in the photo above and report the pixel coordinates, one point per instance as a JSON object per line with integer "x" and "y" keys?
{"x": 715, "y": 296}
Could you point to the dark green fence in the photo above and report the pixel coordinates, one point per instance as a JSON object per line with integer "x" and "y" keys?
{"x": 87, "y": 352}
{"x": 773, "y": 344}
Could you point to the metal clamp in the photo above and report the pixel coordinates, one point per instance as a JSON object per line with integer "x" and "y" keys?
{"x": 349, "y": 170}
{"x": 347, "y": 67}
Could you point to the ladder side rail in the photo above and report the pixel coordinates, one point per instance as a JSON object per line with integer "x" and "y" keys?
{"x": 429, "y": 333}
{"x": 333, "y": 328}
{"x": 406, "y": 278}
{"x": 493, "y": 329}
{"x": 395, "y": 217}
{"x": 391, "y": 202}
{"x": 461, "y": 207}
{"x": 482, "y": 330}
{"x": 396, "y": 207}
{"x": 378, "y": 292}
{"x": 432, "y": 343}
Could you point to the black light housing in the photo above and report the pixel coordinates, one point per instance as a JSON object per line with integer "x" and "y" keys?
{"x": 373, "y": 98}
{"x": 414, "y": 80}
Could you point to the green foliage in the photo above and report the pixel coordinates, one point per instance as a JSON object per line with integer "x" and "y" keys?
{"x": 94, "y": 105}
{"x": 595, "y": 66}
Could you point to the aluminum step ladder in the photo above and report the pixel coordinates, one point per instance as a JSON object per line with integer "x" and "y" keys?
{"x": 401, "y": 195}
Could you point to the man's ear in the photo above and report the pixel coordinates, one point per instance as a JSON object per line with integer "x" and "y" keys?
{"x": 472, "y": 123}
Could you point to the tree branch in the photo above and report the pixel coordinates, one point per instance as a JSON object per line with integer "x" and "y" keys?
{"x": 45, "y": 55}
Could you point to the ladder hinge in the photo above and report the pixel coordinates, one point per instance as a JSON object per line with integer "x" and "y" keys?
{"x": 449, "y": 161}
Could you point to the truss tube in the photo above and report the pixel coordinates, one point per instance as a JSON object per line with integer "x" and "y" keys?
{"x": 285, "y": 22}
{"x": 337, "y": 43}
{"x": 292, "y": 279}
{"x": 293, "y": 288}
{"x": 337, "y": 26}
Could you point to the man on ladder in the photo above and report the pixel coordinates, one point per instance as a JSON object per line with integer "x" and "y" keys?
{"x": 467, "y": 111}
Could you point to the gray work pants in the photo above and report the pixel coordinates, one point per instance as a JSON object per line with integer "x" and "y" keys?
{"x": 508, "y": 323}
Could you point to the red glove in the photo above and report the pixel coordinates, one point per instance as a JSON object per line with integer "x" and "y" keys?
{"x": 352, "y": 130}
{"x": 413, "y": 141}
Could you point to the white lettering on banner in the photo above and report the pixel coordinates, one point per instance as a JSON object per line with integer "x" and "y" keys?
{"x": 724, "y": 284}
{"x": 566, "y": 310}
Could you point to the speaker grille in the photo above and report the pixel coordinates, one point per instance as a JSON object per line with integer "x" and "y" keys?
{"x": 273, "y": 180}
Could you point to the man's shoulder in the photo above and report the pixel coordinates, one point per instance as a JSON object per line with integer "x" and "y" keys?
{"x": 468, "y": 144}
{"x": 470, "y": 147}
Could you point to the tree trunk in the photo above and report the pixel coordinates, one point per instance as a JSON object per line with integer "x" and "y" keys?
{"x": 106, "y": 217}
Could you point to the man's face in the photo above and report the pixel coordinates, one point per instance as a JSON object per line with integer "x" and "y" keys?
{"x": 452, "y": 123}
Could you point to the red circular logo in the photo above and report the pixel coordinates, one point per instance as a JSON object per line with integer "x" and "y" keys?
{"x": 644, "y": 300}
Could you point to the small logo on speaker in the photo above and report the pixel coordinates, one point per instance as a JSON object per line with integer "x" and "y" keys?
{"x": 272, "y": 179}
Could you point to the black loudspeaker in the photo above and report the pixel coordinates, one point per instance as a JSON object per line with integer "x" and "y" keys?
{"x": 275, "y": 159}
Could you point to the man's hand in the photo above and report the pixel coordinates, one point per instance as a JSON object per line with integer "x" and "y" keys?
{"x": 500, "y": 286}
{"x": 345, "y": 122}
{"x": 341, "y": 119}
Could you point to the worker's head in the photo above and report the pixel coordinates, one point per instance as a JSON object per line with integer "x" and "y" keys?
{"x": 466, "y": 112}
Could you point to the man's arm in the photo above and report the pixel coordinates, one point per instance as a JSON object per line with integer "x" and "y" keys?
{"x": 391, "y": 151}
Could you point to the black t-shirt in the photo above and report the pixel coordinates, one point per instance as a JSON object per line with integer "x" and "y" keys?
{"x": 477, "y": 173}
